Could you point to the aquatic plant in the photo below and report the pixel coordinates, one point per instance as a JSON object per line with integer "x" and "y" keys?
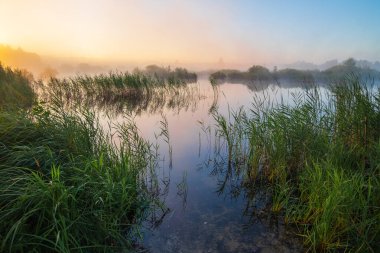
{"x": 318, "y": 158}
{"x": 66, "y": 186}
{"x": 15, "y": 88}
{"x": 119, "y": 92}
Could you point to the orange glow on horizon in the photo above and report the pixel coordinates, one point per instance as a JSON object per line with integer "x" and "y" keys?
{"x": 241, "y": 33}
{"x": 127, "y": 31}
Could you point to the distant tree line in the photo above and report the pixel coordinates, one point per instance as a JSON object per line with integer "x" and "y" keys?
{"x": 166, "y": 73}
{"x": 259, "y": 74}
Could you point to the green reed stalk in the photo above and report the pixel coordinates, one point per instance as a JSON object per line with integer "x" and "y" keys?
{"x": 65, "y": 187}
{"x": 320, "y": 160}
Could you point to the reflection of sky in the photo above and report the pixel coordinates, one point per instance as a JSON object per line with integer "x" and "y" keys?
{"x": 184, "y": 128}
{"x": 204, "y": 207}
{"x": 208, "y": 218}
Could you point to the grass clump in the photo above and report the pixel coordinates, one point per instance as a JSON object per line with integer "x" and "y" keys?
{"x": 65, "y": 186}
{"x": 121, "y": 85}
{"x": 15, "y": 89}
{"x": 320, "y": 159}
{"x": 338, "y": 208}
{"x": 117, "y": 92}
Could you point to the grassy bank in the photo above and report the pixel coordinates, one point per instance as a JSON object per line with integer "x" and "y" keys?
{"x": 320, "y": 161}
{"x": 65, "y": 186}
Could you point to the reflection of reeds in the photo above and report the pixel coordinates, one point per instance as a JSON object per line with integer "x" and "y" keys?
{"x": 215, "y": 89}
{"x": 165, "y": 133}
{"x": 319, "y": 159}
{"x": 120, "y": 92}
{"x": 182, "y": 189}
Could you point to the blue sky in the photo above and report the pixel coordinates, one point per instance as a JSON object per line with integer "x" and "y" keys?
{"x": 239, "y": 31}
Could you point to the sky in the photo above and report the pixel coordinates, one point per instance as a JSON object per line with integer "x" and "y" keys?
{"x": 195, "y": 31}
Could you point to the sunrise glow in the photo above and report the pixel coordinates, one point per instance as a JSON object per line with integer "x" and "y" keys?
{"x": 238, "y": 32}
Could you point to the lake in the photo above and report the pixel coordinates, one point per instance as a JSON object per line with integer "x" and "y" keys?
{"x": 207, "y": 208}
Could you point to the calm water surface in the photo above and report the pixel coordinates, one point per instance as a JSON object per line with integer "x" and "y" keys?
{"x": 201, "y": 216}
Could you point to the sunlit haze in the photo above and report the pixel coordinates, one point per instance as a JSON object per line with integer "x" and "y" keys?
{"x": 231, "y": 33}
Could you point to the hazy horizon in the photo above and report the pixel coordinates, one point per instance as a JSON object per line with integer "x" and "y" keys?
{"x": 196, "y": 34}
{"x": 40, "y": 65}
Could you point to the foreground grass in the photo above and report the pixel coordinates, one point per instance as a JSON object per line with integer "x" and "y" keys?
{"x": 320, "y": 159}
{"x": 65, "y": 185}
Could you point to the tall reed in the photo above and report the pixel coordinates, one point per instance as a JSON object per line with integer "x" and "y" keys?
{"x": 319, "y": 159}
{"x": 119, "y": 92}
{"x": 121, "y": 84}
{"x": 66, "y": 187}
{"x": 15, "y": 88}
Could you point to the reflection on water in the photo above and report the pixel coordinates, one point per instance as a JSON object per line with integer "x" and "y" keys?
{"x": 207, "y": 207}
{"x": 151, "y": 100}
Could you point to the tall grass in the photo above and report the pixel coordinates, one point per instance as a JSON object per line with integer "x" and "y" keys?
{"x": 102, "y": 86}
{"x": 65, "y": 186}
{"x": 118, "y": 92}
{"x": 15, "y": 88}
{"x": 320, "y": 160}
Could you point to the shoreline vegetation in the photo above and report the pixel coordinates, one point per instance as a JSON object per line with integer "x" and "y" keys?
{"x": 65, "y": 186}
{"x": 318, "y": 160}
{"x": 149, "y": 90}
{"x": 257, "y": 75}
{"x": 169, "y": 75}
{"x": 15, "y": 88}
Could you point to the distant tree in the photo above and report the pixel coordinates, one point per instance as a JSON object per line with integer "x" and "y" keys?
{"x": 295, "y": 75}
{"x": 183, "y": 74}
{"x": 275, "y": 74}
{"x": 218, "y": 76}
{"x": 158, "y": 72}
{"x": 236, "y": 76}
{"x": 341, "y": 71}
{"x": 258, "y": 69}
{"x": 350, "y": 62}
{"x": 178, "y": 74}
{"x": 259, "y": 73}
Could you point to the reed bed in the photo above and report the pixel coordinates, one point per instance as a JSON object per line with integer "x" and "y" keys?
{"x": 123, "y": 85}
{"x": 119, "y": 92}
{"x": 65, "y": 184}
{"x": 15, "y": 89}
{"x": 319, "y": 159}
